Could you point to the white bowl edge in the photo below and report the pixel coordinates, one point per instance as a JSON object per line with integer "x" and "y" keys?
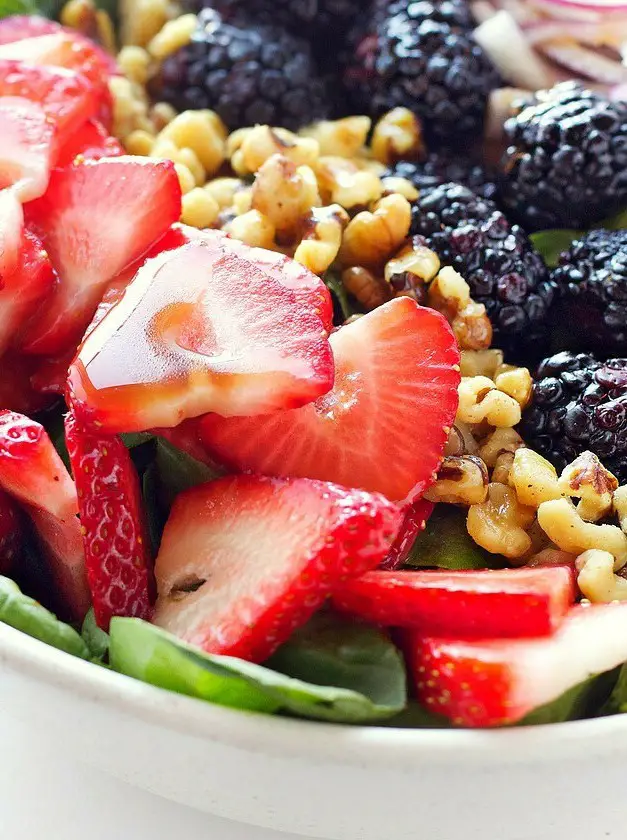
{"x": 286, "y": 737}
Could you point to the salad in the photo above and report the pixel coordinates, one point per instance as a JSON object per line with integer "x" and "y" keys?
{"x": 313, "y": 352}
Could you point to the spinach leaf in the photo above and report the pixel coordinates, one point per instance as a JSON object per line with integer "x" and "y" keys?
{"x": 27, "y": 615}
{"x": 551, "y": 243}
{"x": 148, "y": 653}
{"x": 179, "y": 471}
{"x": 96, "y": 639}
{"x": 446, "y": 544}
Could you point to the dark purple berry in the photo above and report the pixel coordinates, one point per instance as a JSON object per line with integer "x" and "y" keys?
{"x": 579, "y": 404}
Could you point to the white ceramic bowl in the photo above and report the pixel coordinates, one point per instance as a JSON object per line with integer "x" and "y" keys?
{"x": 344, "y": 783}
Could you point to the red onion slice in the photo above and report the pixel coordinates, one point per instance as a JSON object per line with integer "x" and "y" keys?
{"x": 586, "y": 63}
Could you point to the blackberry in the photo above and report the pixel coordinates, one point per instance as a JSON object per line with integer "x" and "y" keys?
{"x": 422, "y": 56}
{"x": 579, "y": 403}
{"x": 591, "y": 281}
{"x": 443, "y": 167}
{"x": 566, "y": 161}
{"x": 497, "y": 260}
{"x": 247, "y": 72}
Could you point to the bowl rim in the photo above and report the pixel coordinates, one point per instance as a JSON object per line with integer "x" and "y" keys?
{"x": 282, "y": 737}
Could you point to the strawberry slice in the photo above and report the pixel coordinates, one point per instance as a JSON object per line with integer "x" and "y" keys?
{"x": 92, "y": 141}
{"x": 28, "y": 147}
{"x": 24, "y": 289}
{"x": 16, "y": 391}
{"x": 61, "y": 542}
{"x": 384, "y": 425}
{"x": 11, "y": 530}
{"x": 416, "y": 516}
{"x": 307, "y": 287}
{"x": 117, "y": 554}
{"x": 493, "y": 683}
{"x": 30, "y": 467}
{"x": 67, "y": 98}
{"x": 62, "y": 46}
{"x": 134, "y": 200}
{"x": 11, "y": 234}
{"x": 32, "y": 472}
{"x": 18, "y": 27}
{"x": 199, "y": 329}
{"x": 49, "y": 375}
{"x": 245, "y": 560}
{"x": 465, "y": 605}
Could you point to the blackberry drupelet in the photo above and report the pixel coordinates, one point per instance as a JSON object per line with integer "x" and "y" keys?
{"x": 422, "y": 56}
{"x": 591, "y": 281}
{"x": 441, "y": 168}
{"x": 579, "y": 403}
{"x": 497, "y": 260}
{"x": 566, "y": 161}
{"x": 248, "y": 73}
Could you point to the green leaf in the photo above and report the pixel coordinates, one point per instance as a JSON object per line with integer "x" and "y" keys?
{"x": 152, "y": 655}
{"x": 617, "y": 701}
{"x": 133, "y": 439}
{"x": 580, "y": 701}
{"x": 551, "y": 243}
{"x": 616, "y": 222}
{"x": 178, "y": 471}
{"x": 335, "y": 285}
{"x": 94, "y": 637}
{"x": 446, "y": 544}
{"x": 333, "y": 650}
{"x": 18, "y": 7}
{"x": 25, "y": 614}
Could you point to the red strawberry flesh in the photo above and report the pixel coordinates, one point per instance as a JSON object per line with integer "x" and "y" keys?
{"x": 383, "y": 426}
{"x": 197, "y": 330}
{"x": 245, "y": 560}
{"x": 416, "y": 516}
{"x": 117, "y": 553}
{"x": 24, "y": 289}
{"x": 31, "y": 470}
{"x": 28, "y": 147}
{"x": 92, "y": 141}
{"x": 498, "y": 682}
{"x": 95, "y": 219}
{"x": 10, "y": 533}
{"x": 465, "y": 604}
{"x": 67, "y": 98}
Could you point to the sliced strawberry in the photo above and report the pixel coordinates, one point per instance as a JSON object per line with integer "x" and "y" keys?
{"x": 32, "y": 472}
{"x": 30, "y": 467}
{"x": 117, "y": 554}
{"x": 11, "y": 234}
{"x": 11, "y": 533}
{"x": 416, "y": 516}
{"x": 307, "y": 287}
{"x": 92, "y": 141}
{"x": 492, "y": 683}
{"x": 28, "y": 147}
{"x": 23, "y": 290}
{"x": 383, "y": 426}
{"x": 197, "y": 330}
{"x": 18, "y": 27}
{"x": 66, "y": 97}
{"x": 62, "y": 544}
{"x": 61, "y": 49}
{"x": 245, "y": 560}
{"x": 16, "y": 390}
{"x": 49, "y": 375}
{"x": 96, "y": 218}
{"x": 515, "y": 603}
